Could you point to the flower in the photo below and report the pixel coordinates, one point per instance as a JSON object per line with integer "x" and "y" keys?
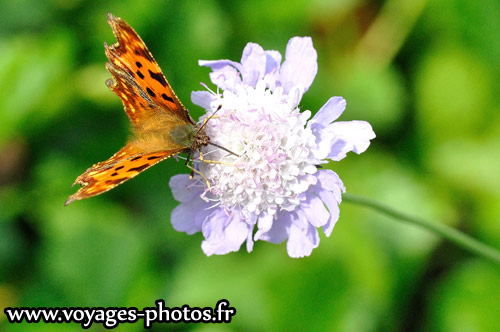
{"x": 267, "y": 176}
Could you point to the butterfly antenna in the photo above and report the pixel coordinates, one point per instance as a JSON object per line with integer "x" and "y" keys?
{"x": 216, "y": 145}
{"x": 225, "y": 149}
{"x": 211, "y": 116}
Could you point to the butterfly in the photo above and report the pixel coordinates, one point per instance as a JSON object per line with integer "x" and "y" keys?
{"x": 161, "y": 125}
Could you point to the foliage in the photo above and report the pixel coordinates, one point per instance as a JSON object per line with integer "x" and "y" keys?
{"x": 425, "y": 74}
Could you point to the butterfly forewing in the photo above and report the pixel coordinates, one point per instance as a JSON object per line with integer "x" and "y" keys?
{"x": 138, "y": 80}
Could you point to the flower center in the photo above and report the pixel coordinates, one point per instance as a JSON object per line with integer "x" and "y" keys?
{"x": 270, "y": 137}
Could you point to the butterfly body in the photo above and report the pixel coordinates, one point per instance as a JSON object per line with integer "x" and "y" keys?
{"x": 161, "y": 132}
{"x": 161, "y": 125}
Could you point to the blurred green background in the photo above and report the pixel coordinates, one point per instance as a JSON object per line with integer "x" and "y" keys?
{"x": 425, "y": 74}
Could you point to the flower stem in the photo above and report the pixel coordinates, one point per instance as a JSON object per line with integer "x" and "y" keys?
{"x": 451, "y": 234}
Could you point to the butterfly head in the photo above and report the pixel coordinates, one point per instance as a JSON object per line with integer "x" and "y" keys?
{"x": 200, "y": 139}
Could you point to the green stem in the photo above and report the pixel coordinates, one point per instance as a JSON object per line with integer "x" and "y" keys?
{"x": 449, "y": 233}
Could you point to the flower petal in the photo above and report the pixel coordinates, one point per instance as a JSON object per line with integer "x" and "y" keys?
{"x": 188, "y": 217}
{"x": 220, "y": 65}
{"x": 279, "y": 230}
{"x": 251, "y": 223}
{"x": 202, "y": 99}
{"x": 328, "y": 198}
{"x": 223, "y": 233}
{"x": 300, "y": 66}
{"x": 225, "y": 73}
{"x": 314, "y": 210}
{"x": 254, "y": 64}
{"x": 302, "y": 238}
{"x": 329, "y": 190}
{"x": 273, "y": 61}
{"x": 320, "y": 126}
{"x": 350, "y": 136}
{"x": 329, "y": 180}
{"x": 264, "y": 224}
{"x": 333, "y": 108}
{"x": 183, "y": 189}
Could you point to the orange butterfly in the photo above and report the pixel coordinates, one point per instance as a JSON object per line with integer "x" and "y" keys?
{"x": 161, "y": 125}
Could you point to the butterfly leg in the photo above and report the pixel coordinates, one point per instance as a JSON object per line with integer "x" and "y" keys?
{"x": 190, "y": 167}
{"x": 215, "y": 161}
{"x": 194, "y": 170}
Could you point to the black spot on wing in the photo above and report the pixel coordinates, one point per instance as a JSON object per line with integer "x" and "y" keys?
{"x": 151, "y": 93}
{"x": 136, "y": 158}
{"x": 167, "y": 98}
{"x": 116, "y": 181}
{"x": 154, "y": 157}
{"x": 114, "y": 174}
{"x": 118, "y": 168}
{"x": 139, "y": 65}
{"x": 138, "y": 168}
{"x": 143, "y": 53}
{"x": 159, "y": 77}
{"x": 140, "y": 74}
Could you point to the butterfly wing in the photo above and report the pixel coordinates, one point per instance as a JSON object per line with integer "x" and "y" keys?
{"x": 137, "y": 78}
{"x": 122, "y": 166}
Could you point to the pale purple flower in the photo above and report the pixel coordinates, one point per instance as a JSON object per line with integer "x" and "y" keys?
{"x": 270, "y": 189}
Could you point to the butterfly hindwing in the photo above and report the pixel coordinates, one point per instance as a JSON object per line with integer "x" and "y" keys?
{"x": 138, "y": 80}
{"x": 122, "y": 166}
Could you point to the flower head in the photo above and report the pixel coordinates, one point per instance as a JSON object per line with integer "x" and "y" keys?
{"x": 270, "y": 180}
